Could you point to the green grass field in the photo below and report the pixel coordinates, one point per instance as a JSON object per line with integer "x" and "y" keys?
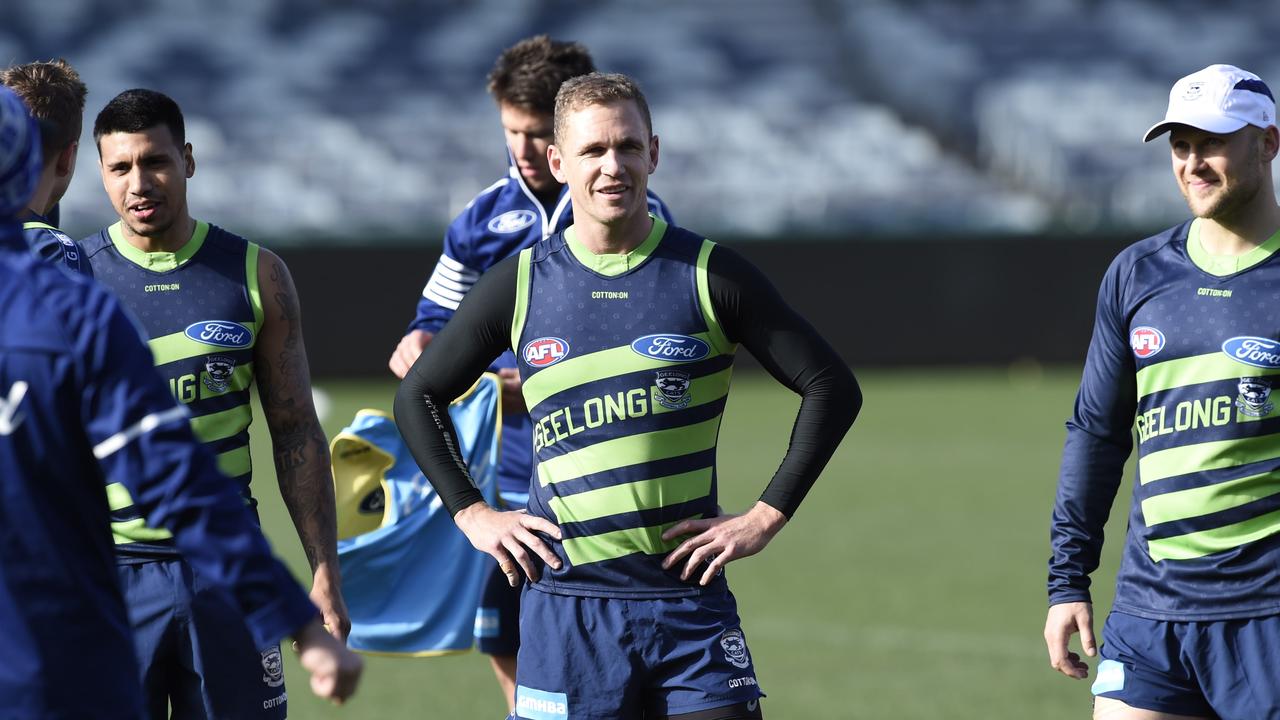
{"x": 909, "y": 585}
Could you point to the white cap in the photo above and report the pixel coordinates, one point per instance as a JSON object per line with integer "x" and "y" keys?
{"x": 1218, "y": 99}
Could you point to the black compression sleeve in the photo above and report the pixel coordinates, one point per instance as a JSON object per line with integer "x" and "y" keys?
{"x": 753, "y": 313}
{"x": 478, "y": 332}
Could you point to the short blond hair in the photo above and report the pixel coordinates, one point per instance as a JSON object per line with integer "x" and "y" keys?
{"x": 598, "y": 89}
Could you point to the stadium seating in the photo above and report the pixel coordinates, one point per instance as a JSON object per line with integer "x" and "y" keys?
{"x": 324, "y": 120}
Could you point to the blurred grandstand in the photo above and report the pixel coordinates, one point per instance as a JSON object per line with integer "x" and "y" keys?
{"x": 369, "y": 121}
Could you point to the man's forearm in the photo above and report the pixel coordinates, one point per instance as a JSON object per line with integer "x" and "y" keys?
{"x": 306, "y": 486}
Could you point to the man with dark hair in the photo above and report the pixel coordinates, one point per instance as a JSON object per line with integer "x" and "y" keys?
{"x": 626, "y": 329}
{"x": 219, "y": 312}
{"x": 527, "y": 205}
{"x": 54, "y": 94}
{"x": 81, "y": 407}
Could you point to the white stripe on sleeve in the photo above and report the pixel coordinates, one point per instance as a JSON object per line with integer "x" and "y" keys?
{"x": 457, "y": 267}
{"x": 449, "y": 282}
{"x": 114, "y": 443}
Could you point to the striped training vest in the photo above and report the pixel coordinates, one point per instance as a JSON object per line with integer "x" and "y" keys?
{"x": 201, "y": 312}
{"x": 626, "y": 372}
{"x": 1204, "y": 529}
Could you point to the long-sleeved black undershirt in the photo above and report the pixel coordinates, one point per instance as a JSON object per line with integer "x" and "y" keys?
{"x": 751, "y": 312}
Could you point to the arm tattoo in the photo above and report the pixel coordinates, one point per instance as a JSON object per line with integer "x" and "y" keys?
{"x": 299, "y": 445}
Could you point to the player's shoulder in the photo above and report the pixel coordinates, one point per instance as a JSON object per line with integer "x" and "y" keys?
{"x": 683, "y": 234}
{"x": 223, "y": 240}
{"x": 496, "y": 224}
{"x": 97, "y": 242}
{"x": 688, "y": 244}
{"x": 1150, "y": 248}
{"x": 43, "y": 306}
{"x": 45, "y": 239}
{"x": 498, "y": 194}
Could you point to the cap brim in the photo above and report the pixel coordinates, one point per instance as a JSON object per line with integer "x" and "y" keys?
{"x": 1207, "y": 123}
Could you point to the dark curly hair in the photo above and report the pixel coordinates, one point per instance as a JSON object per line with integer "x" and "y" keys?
{"x": 529, "y": 73}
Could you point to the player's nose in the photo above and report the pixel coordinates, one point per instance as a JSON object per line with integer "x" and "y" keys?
{"x": 611, "y": 164}
{"x": 524, "y": 148}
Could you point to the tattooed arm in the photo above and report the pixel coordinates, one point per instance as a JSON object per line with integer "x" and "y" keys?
{"x": 301, "y": 452}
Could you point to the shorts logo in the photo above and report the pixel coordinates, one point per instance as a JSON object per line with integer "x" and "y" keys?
{"x": 1255, "y": 393}
{"x": 735, "y": 648}
{"x": 671, "y": 347}
{"x": 273, "y": 665}
{"x": 1110, "y": 677}
{"x": 545, "y": 351}
{"x": 540, "y": 704}
{"x": 512, "y": 221}
{"x": 487, "y": 622}
{"x": 219, "y": 369}
{"x": 222, "y": 333}
{"x": 673, "y": 389}
{"x": 1146, "y": 341}
{"x": 1255, "y": 351}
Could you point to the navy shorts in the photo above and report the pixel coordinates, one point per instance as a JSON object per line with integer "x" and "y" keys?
{"x": 498, "y": 616}
{"x": 1228, "y": 669}
{"x": 195, "y": 653}
{"x": 587, "y": 658}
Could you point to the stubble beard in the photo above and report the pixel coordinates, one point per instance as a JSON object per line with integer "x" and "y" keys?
{"x": 1228, "y": 201}
{"x": 151, "y": 232}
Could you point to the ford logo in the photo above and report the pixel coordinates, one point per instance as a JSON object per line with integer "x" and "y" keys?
{"x": 1255, "y": 351}
{"x": 222, "y": 333}
{"x": 512, "y": 221}
{"x": 671, "y": 347}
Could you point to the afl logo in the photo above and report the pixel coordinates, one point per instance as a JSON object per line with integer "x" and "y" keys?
{"x": 222, "y": 333}
{"x": 1255, "y": 351}
{"x": 1146, "y": 341}
{"x": 670, "y": 347}
{"x": 545, "y": 351}
{"x": 512, "y": 221}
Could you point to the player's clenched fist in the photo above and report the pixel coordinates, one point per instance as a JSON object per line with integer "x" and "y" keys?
{"x": 335, "y": 670}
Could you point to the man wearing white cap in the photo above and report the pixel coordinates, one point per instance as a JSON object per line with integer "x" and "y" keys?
{"x": 1184, "y": 318}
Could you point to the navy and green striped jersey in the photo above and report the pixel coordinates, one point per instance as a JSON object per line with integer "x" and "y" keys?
{"x": 201, "y": 312}
{"x": 1184, "y": 357}
{"x": 502, "y": 220}
{"x": 626, "y": 397}
{"x": 79, "y": 405}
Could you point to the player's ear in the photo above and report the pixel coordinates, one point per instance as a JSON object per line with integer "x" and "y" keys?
{"x": 1270, "y": 143}
{"x": 188, "y": 160}
{"x": 66, "y": 160}
{"x": 653, "y": 154}
{"x": 556, "y": 161}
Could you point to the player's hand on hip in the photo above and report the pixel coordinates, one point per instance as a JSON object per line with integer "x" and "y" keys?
{"x": 407, "y": 352}
{"x": 512, "y": 395}
{"x": 508, "y": 537}
{"x": 1065, "y": 620}
{"x": 335, "y": 670}
{"x": 718, "y": 540}
{"x": 327, "y": 596}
